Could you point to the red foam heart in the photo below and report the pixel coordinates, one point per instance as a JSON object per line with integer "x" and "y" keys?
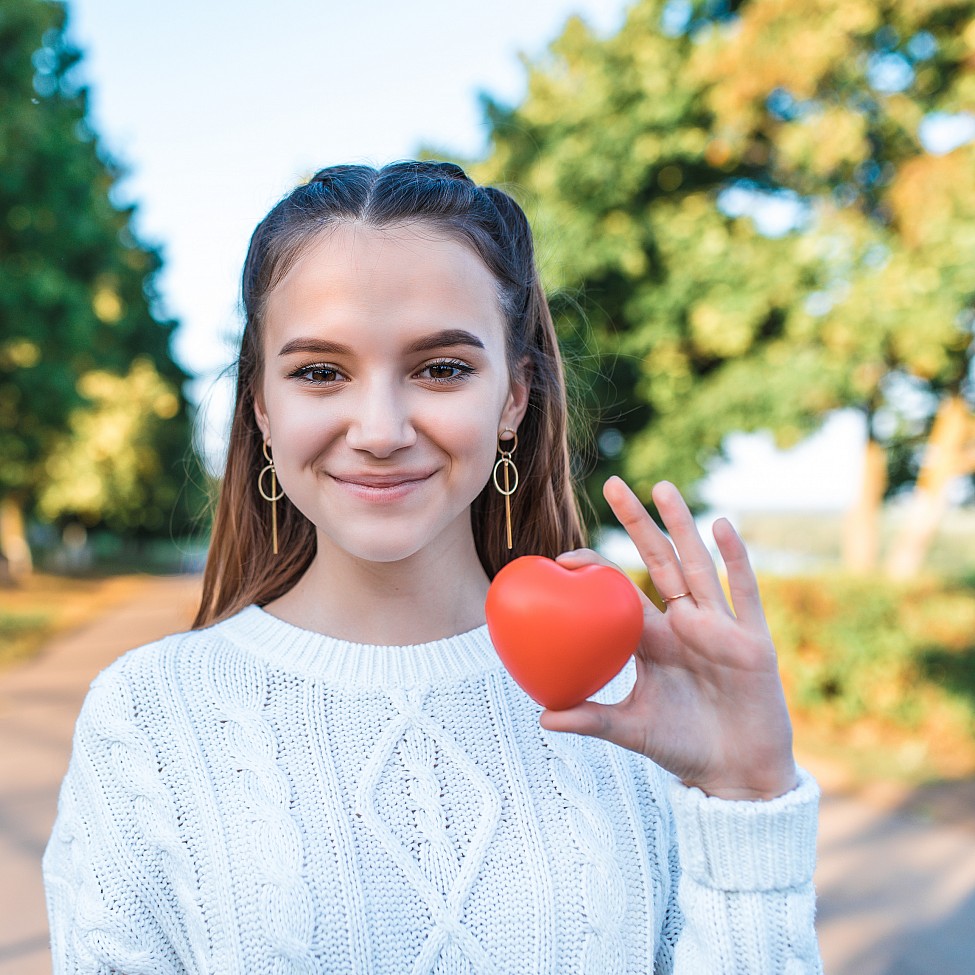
{"x": 562, "y": 633}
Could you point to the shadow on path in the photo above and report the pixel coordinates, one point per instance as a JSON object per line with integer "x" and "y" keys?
{"x": 896, "y": 891}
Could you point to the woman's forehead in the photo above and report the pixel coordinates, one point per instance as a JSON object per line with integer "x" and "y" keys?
{"x": 404, "y": 277}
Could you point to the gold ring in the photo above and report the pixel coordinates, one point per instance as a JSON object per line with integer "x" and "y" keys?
{"x": 670, "y": 599}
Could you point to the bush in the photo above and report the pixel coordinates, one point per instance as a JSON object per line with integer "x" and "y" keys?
{"x": 884, "y": 674}
{"x": 880, "y": 676}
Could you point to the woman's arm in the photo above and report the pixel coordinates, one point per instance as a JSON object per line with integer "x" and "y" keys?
{"x": 745, "y": 901}
{"x": 707, "y": 705}
{"x": 114, "y": 851}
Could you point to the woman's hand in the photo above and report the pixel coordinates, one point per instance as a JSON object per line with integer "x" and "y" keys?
{"x": 707, "y": 703}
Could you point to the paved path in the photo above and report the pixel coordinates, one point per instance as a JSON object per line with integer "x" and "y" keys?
{"x": 38, "y": 706}
{"x": 896, "y": 893}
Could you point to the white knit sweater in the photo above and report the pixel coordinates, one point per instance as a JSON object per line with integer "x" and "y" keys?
{"x": 255, "y": 798}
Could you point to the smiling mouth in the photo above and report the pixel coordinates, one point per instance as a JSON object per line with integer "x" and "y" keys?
{"x": 384, "y": 488}
{"x": 381, "y": 483}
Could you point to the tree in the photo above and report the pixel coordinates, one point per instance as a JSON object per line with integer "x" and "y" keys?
{"x": 76, "y": 295}
{"x": 690, "y": 310}
{"x": 847, "y": 97}
{"x": 653, "y": 159}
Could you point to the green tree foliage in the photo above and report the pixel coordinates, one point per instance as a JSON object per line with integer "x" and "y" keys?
{"x": 614, "y": 151}
{"x": 652, "y": 160}
{"x": 79, "y": 343}
{"x": 847, "y": 99}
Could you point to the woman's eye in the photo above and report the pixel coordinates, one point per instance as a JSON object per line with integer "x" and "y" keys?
{"x": 318, "y": 375}
{"x": 446, "y": 372}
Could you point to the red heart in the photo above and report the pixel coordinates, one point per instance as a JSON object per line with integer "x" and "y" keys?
{"x": 562, "y": 633}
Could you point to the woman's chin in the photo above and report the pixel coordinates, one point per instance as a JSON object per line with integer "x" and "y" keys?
{"x": 384, "y": 549}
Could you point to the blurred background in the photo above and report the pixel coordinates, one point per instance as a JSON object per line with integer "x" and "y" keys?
{"x": 756, "y": 224}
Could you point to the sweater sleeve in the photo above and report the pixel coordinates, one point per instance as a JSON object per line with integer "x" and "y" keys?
{"x": 114, "y": 868}
{"x": 745, "y": 898}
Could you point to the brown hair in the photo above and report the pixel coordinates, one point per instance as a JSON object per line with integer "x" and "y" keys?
{"x": 240, "y": 568}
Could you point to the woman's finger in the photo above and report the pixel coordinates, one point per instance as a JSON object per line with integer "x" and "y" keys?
{"x": 612, "y": 722}
{"x": 696, "y": 562}
{"x": 588, "y": 718}
{"x": 742, "y": 583}
{"x": 655, "y": 550}
{"x": 586, "y": 556}
{"x": 674, "y": 579}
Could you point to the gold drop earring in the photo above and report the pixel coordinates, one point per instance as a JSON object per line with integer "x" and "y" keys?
{"x": 274, "y": 497}
{"x": 506, "y": 467}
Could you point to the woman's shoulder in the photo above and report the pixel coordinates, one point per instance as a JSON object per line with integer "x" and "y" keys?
{"x": 161, "y": 690}
{"x": 149, "y": 656}
{"x": 173, "y": 660}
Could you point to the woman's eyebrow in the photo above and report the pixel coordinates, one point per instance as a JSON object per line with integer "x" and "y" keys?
{"x": 449, "y": 336}
{"x": 316, "y": 346}
{"x": 436, "y": 340}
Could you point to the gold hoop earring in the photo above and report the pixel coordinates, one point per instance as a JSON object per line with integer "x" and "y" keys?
{"x": 507, "y": 466}
{"x": 274, "y": 497}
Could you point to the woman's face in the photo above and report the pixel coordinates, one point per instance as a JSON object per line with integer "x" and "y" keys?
{"x": 385, "y": 387}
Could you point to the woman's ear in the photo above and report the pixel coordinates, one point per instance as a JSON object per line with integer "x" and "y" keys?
{"x": 518, "y": 392}
{"x": 261, "y": 416}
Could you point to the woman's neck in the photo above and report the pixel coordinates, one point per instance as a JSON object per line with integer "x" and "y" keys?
{"x": 428, "y": 596}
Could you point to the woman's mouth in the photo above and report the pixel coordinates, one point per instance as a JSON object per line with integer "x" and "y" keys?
{"x": 382, "y": 487}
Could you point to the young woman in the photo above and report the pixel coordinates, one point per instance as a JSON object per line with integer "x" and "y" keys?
{"x": 332, "y": 772}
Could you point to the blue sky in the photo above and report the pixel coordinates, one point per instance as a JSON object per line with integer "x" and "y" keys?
{"x": 217, "y": 108}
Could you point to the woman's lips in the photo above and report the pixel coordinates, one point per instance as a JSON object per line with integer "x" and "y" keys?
{"x": 384, "y": 488}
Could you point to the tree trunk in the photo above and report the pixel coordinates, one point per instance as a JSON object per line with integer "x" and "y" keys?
{"x": 861, "y": 530}
{"x": 15, "y": 560}
{"x": 947, "y": 455}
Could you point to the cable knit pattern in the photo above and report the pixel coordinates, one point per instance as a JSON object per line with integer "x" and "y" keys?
{"x": 256, "y": 799}
{"x": 285, "y": 907}
{"x": 601, "y": 882}
{"x": 438, "y": 868}
{"x": 134, "y": 763}
{"x": 102, "y": 935}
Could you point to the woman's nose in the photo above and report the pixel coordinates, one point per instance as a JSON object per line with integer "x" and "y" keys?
{"x": 380, "y": 422}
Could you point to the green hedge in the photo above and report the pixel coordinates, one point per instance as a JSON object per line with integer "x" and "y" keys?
{"x": 878, "y": 675}
{"x": 884, "y": 674}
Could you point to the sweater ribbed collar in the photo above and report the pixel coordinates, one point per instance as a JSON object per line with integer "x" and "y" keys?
{"x": 287, "y": 647}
